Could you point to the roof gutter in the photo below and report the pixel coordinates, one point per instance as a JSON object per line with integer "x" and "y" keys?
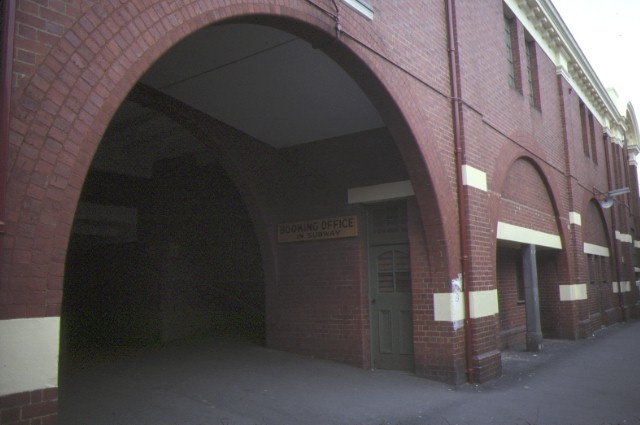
{"x": 614, "y": 229}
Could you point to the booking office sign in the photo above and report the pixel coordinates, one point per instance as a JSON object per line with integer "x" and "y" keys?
{"x": 319, "y": 229}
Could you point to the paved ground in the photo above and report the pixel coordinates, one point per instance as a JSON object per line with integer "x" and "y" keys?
{"x": 594, "y": 381}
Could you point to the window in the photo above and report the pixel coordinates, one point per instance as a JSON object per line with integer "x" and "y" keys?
{"x": 361, "y": 7}
{"x": 583, "y": 123}
{"x": 513, "y": 61}
{"x": 532, "y": 73}
{"x": 591, "y": 269}
{"x": 598, "y": 269}
{"x": 588, "y": 128}
{"x": 604, "y": 271}
{"x": 394, "y": 272}
{"x": 592, "y": 137}
{"x": 617, "y": 165}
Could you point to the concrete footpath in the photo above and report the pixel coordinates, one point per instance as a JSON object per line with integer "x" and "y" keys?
{"x": 593, "y": 381}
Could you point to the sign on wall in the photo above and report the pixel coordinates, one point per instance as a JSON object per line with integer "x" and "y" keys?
{"x": 324, "y": 228}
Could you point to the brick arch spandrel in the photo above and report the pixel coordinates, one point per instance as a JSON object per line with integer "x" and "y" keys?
{"x": 525, "y": 200}
{"x": 60, "y": 116}
{"x": 510, "y": 155}
{"x": 594, "y": 226}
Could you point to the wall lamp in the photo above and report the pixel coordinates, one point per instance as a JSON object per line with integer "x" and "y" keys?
{"x": 607, "y": 200}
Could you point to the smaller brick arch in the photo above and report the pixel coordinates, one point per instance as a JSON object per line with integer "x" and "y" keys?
{"x": 500, "y": 180}
{"x": 594, "y": 224}
{"x": 600, "y": 268}
{"x": 527, "y": 201}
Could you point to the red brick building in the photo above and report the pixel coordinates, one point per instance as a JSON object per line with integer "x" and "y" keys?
{"x": 410, "y": 185}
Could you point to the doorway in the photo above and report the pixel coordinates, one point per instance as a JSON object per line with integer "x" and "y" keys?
{"x": 390, "y": 287}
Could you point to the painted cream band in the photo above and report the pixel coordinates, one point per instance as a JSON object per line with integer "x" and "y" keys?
{"x": 624, "y": 237}
{"x": 575, "y": 218}
{"x": 624, "y": 286}
{"x": 598, "y": 250}
{"x": 483, "y": 303}
{"x": 474, "y": 177}
{"x": 513, "y": 233}
{"x": 29, "y": 354}
{"x": 573, "y": 292}
{"x": 449, "y": 306}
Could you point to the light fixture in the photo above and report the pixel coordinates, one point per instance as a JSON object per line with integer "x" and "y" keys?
{"x": 607, "y": 198}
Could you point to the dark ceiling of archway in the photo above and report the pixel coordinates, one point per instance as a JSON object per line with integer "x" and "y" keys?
{"x": 267, "y": 83}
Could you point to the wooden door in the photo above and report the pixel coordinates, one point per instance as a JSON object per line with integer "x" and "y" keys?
{"x": 390, "y": 288}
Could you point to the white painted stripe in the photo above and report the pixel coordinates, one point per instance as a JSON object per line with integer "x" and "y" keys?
{"x": 623, "y": 237}
{"x": 473, "y": 177}
{"x": 575, "y": 218}
{"x": 448, "y": 306}
{"x": 636, "y": 244}
{"x": 624, "y": 286}
{"x": 573, "y": 292}
{"x": 592, "y": 249}
{"x": 29, "y": 354}
{"x": 510, "y": 232}
{"x": 483, "y": 303}
{"x": 380, "y": 192}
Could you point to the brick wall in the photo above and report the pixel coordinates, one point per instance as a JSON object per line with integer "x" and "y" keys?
{"x": 322, "y": 290}
{"x": 37, "y": 407}
{"x": 77, "y": 61}
{"x": 512, "y": 312}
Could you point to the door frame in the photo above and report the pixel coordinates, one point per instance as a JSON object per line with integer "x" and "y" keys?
{"x": 373, "y": 242}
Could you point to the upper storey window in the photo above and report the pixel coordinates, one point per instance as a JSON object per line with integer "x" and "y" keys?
{"x": 361, "y": 7}
{"x": 587, "y": 124}
{"x": 512, "y": 53}
{"x": 532, "y": 72}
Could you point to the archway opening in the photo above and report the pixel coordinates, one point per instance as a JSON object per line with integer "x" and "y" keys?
{"x": 527, "y": 258}
{"x": 162, "y": 246}
{"x": 235, "y": 130}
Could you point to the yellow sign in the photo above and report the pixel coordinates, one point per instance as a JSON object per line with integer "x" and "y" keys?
{"x": 313, "y": 230}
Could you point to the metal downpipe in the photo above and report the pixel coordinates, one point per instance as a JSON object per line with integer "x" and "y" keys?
{"x": 6, "y": 75}
{"x": 462, "y": 203}
{"x": 614, "y": 228}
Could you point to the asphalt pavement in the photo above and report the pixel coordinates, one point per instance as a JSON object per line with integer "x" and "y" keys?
{"x": 595, "y": 381}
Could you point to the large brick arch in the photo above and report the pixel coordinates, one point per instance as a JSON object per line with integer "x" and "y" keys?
{"x": 62, "y": 109}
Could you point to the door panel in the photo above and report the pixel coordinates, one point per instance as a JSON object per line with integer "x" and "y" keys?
{"x": 385, "y": 332}
{"x": 405, "y": 332}
{"x": 392, "y": 328}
